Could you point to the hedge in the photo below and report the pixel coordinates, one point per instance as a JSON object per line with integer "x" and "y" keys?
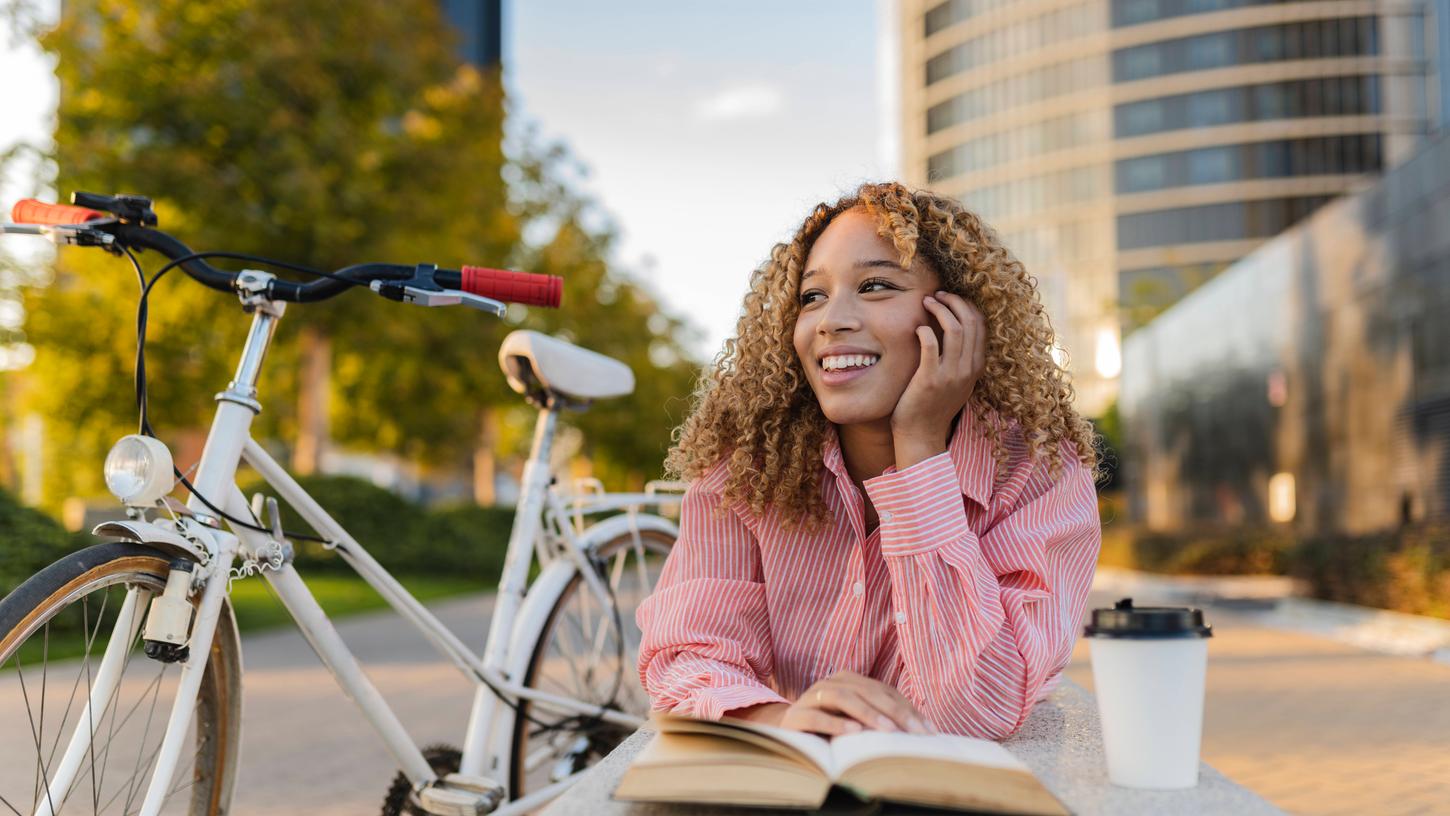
{"x": 29, "y": 541}
{"x": 1405, "y": 570}
{"x": 404, "y": 537}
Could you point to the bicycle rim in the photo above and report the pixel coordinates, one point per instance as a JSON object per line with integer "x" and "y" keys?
{"x": 54, "y": 630}
{"x": 578, "y": 656}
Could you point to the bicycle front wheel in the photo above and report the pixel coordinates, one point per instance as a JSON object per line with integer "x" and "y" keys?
{"x": 580, "y": 654}
{"x": 54, "y": 630}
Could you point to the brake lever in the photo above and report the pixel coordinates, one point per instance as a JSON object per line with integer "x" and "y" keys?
{"x": 440, "y": 297}
{"x": 65, "y": 234}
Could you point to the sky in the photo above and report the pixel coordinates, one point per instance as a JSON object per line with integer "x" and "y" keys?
{"x": 709, "y": 129}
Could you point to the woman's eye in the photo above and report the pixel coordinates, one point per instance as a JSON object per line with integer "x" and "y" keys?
{"x": 867, "y": 286}
{"x": 808, "y": 297}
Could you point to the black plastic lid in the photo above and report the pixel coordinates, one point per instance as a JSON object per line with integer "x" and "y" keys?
{"x": 1143, "y": 622}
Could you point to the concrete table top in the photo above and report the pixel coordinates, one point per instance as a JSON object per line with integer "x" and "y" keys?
{"x": 1061, "y": 743}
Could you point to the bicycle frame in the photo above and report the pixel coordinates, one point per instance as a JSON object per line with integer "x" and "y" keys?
{"x": 486, "y": 748}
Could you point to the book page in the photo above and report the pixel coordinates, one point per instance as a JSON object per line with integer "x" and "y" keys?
{"x": 868, "y": 745}
{"x": 810, "y": 748}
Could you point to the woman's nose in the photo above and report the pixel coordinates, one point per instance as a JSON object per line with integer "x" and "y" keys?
{"x": 840, "y": 314}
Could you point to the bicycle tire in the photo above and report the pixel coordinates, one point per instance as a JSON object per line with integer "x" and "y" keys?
{"x": 30, "y": 610}
{"x": 604, "y": 738}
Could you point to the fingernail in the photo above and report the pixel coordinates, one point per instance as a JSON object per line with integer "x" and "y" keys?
{"x": 932, "y": 726}
{"x": 885, "y": 724}
{"x": 941, "y": 293}
{"x": 853, "y": 727}
{"x": 916, "y": 726}
{"x": 930, "y": 299}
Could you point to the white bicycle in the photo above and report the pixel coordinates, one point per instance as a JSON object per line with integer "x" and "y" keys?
{"x": 120, "y": 664}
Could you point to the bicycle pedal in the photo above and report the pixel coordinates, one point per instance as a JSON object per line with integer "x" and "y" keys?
{"x": 459, "y": 795}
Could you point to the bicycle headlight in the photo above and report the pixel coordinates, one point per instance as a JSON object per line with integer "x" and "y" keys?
{"x": 138, "y": 470}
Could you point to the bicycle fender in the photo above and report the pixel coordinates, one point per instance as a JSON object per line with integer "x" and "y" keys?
{"x": 546, "y": 589}
{"x": 599, "y": 534}
{"x": 153, "y": 535}
{"x": 534, "y": 613}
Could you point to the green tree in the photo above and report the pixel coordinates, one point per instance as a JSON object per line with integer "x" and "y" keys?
{"x": 290, "y": 130}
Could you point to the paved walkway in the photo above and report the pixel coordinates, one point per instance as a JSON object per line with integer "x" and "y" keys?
{"x": 1319, "y": 727}
{"x": 1315, "y": 726}
{"x": 307, "y": 750}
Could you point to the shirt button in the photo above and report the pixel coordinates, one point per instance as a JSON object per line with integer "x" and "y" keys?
{"x": 901, "y": 617}
{"x": 858, "y": 589}
{"x": 885, "y": 516}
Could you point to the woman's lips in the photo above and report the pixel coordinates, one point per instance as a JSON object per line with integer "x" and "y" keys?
{"x": 843, "y": 376}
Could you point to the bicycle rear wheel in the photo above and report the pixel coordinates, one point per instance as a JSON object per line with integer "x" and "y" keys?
{"x": 54, "y": 629}
{"x": 580, "y": 655}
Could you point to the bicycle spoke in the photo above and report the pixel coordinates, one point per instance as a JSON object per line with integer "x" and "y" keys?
{"x": 114, "y": 705}
{"x": 143, "y": 774}
{"x": 91, "y": 714}
{"x": 25, "y": 696}
{"x": 531, "y": 763}
{"x": 126, "y": 698}
{"x": 44, "y": 667}
{"x": 136, "y": 776}
{"x": 64, "y": 717}
{"x": 595, "y": 639}
{"x": 154, "y": 686}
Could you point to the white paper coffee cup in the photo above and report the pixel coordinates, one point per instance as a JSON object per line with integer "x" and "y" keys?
{"x": 1149, "y": 665}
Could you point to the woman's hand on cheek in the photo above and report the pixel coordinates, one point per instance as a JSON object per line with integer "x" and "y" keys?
{"x": 944, "y": 379}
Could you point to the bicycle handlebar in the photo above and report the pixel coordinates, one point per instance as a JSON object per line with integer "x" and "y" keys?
{"x": 31, "y": 211}
{"x": 497, "y": 284}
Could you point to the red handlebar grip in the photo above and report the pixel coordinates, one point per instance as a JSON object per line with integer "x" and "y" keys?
{"x": 528, "y": 288}
{"x": 32, "y": 211}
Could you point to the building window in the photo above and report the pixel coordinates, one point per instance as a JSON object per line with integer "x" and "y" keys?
{"x": 1134, "y": 12}
{"x": 1145, "y": 173}
{"x": 1235, "y": 220}
{"x": 1209, "y": 51}
{"x": 1210, "y": 108}
{"x": 1212, "y": 165}
{"x": 1310, "y": 39}
{"x": 1330, "y": 96}
{"x": 1323, "y": 155}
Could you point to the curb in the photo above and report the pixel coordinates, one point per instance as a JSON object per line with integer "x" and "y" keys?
{"x": 1277, "y": 602}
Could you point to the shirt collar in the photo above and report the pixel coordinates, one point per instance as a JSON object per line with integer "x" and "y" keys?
{"x": 969, "y": 448}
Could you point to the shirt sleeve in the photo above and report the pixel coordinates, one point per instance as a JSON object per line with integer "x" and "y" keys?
{"x": 985, "y": 624}
{"x": 706, "y": 645}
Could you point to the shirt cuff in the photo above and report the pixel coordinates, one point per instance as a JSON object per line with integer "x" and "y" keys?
{"x": 713, "y": 703}
{"x": 920, "y": 508}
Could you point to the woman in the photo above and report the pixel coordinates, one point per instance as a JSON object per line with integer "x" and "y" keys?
{"x": 892, "y": 521}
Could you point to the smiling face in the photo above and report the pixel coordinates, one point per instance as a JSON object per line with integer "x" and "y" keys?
{"x": 859, "y": 310}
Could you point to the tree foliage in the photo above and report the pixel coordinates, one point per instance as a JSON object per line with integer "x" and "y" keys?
{"x": 291, "y": 130}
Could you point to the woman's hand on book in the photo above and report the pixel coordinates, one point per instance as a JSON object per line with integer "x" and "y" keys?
{"x": 846, "y": 703}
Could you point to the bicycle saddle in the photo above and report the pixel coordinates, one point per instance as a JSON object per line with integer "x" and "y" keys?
{"x": 537, "y": 364}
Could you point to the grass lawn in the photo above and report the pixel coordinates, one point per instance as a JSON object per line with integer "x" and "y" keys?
{"x": 340, "y": 595}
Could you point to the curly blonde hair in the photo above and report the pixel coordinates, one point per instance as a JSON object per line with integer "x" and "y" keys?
{"x": 755, "y": 411}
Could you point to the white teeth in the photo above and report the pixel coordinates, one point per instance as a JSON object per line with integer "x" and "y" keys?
{"x": 840, "y": 361}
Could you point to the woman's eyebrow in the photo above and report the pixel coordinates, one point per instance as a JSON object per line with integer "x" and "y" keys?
{"x": 879, "y": 263}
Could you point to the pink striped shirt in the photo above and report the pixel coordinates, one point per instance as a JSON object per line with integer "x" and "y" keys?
{"x": 966, "y": 598}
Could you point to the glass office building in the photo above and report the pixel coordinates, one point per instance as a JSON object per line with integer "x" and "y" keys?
{"x": 1309, "y": 384}
{"x": 1129, "y": 150}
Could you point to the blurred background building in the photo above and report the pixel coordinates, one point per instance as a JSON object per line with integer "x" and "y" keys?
{"x": 1309, "y": 384}
{"x": 1130, "y": 150}
{"x": 480, "y": 28}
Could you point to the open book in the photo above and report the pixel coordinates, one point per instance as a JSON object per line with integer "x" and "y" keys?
{"x": 746, "y": 763}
